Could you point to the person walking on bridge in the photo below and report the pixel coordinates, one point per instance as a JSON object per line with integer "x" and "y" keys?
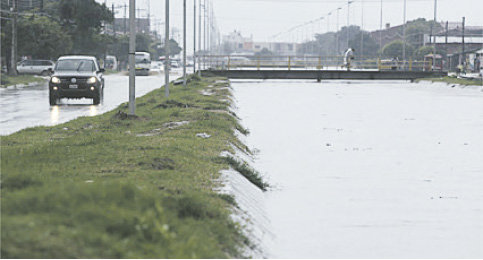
{"x": 348, "y": 57}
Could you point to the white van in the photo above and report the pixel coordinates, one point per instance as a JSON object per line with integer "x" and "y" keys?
{"x": 39, "y": 67}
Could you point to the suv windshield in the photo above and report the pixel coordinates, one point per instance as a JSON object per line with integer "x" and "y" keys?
{"x": 75, "y": 65}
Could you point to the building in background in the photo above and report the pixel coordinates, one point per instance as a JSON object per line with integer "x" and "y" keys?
{"x": 451, "y": 41}
{"x": 236, "y": 43}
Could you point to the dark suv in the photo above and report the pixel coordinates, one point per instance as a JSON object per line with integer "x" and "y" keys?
{"x": 76, "y": 77}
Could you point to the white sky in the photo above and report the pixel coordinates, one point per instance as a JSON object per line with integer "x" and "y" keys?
{"x": 265, "y": 18}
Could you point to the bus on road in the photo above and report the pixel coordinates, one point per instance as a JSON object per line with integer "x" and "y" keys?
{"x": 143, "y": 63}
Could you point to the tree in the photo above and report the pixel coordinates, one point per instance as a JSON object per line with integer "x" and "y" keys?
{"x": 143, "y": 42}
{"x": 324, "y": 45}
{"x": 423, "y": 51}
{"x": 416, "y": 30}
{"x": 395, "y": 49}
{"x": 369, "y": 48}
{"x": 264, "y": 52}
{"x": 415, "y": 34}
{"x": 335, "y": 43}
{"x": 39, "y": 38}
{"x": 120, "y": 48}
{"x": 83, "y": 21}
{"x": 174, "y": 49}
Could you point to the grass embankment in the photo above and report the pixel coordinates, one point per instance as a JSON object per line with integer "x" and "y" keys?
{"x": 114, "y": 186}
{"x": 18, "y": 80}
{"x": 453, "y": 80}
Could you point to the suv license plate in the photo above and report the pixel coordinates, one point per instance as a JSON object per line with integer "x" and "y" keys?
{"x": 74, "y": 86}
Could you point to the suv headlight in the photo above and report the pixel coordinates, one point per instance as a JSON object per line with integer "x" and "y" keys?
{"x": 91, "y": 80}
{"x": 55, "y": 80}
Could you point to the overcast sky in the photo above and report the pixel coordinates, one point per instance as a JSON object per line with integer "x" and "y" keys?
{"x": 265, "y": 18}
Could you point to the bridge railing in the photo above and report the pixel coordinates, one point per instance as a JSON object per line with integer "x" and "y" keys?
{"x": 237, "y": 62}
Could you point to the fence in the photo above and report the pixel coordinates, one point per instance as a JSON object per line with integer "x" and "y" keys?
{"x": 221, "y": 62}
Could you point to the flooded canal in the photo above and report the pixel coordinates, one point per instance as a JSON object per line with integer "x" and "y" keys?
{"x": 368, "y": 169}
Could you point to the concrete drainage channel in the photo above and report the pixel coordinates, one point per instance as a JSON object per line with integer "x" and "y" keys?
{"x": 249, "y": 211}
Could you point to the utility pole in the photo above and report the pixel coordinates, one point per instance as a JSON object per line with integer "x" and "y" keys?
{"x": 404, "y": 35}
{"x": 207, "y": 18}
{"x": 380, "y": 33}
{"x": 125, "y": 19}
{"x": 199, "y": 38}
{"x": 194, "y": 37}
{"x": 13, "y": 58}
{"x": 348, "y": 22}
{"x": 362, "y": 28}
{"x": 432, "y": 24}
{"x": 209, "y": 27}
{"x": 184, "y": 43}
{"x": 446, "y": 34}
{"x": 149, "y": 16}
{"x": 446, "y": 44}
{"x": 166, "y": 48}
{"x": 113, "y": 21}
{"x": 204, "y": 33}
{"x": 1, "y": 65}
{"x": 207, "y": 10}
{"x": 337, "y": 33}
{"x": 132, "y": 56}
{"x": 463, "y": 59}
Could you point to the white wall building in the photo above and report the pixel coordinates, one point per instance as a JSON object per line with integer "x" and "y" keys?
{"x": 235, "y": 43}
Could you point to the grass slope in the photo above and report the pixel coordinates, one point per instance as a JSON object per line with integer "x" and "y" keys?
{"x": 453, "y": 80}
{"x": 114, "y": 186}
{"x": 17, "y": 80}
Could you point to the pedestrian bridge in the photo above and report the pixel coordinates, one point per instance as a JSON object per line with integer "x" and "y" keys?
{"x": 315, "y": 67}
{"x": 320, "y": 75}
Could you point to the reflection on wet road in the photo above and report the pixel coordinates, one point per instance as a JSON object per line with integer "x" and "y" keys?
{"x": 29, "y": 106}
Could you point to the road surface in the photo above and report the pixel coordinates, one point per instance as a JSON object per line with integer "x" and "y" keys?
{"x": 368, "y": 169}
{"x": 29, "y": 106}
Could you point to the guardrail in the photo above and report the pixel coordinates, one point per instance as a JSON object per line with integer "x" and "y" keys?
{"x": 237, "y": 62}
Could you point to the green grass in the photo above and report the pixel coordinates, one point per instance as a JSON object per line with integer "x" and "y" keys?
{"x": 20, "y": 79}
{"x": 114, "y": 186}
{"x": 250, "y": 174}
{"x": 111, "y": 72}
{"x": 453, "y": 80}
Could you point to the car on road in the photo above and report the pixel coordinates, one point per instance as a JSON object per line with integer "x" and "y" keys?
{"x": 175, "y": 63}
{"x": 38, "y": 67}
{"x": 76, "y": 77}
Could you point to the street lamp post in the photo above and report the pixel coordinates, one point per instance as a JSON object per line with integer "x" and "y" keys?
{"x": 362, "y": 28}
{"x": 184, "y": 43}
{"x": 380, "y": 32}
{"x": 204, "y": 34}
{"x": 404, "y": 34}
{"x": 194, "y": 36}
{"x": 167, "y": 52}
{"x": 348, "y": 21}
{"x": 199, "y": 37}
{"x": 132, "y": 56}
{"x": 337, "y": 32}
{"x": 432, "y": 24}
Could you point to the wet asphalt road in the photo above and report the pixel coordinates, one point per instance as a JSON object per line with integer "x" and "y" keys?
{"x": 29, "y": 106}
